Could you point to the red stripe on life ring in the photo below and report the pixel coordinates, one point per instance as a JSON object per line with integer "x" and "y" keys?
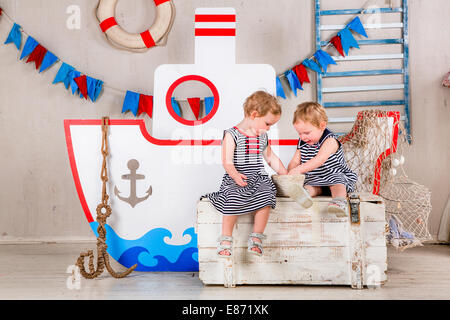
{"x": 108, "y": 23}
{"x": 158, "y": 2}
{"x": 148, "y": 39}
{"x": 215, "y": 32}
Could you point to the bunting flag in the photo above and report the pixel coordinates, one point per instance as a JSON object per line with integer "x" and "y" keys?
{"x": 72, "y": 83}
{"x": 131, "y": 102}
{"x": 324, "y": 59}
{"x": 29, "y": 46}
{"x": 293, "y": 81}
{"x": 347, "y": 40}
{"x": 86, "y": 86}
{"x": 176, "y": 107}
{"x": 1, "y": 11}
{"x": 37, "y": 56}
{"x": 357, "y": 26}
{"x": 81, "y": 82}
{"x": 15, "y": 36}
{"x": 302, "y": 73}
{"x": 280, "y": 91}
{"x": 145, "y": 105}
{"x": 49, "y": 60}
{"x": 321, "y": 59}
{"x": 98, "y": 89}
{"x": 209, "y": 103}
{"x": 63, "y": 74}
{"x": 194, "y": 103}
{"x": 90, "y": 87}
{"x": 311, "y": 64}
{"x": 336, "y": 41}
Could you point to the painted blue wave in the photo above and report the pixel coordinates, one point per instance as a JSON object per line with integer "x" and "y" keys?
{"x": 184, "y": 263}
{"x": 150, "y": 252}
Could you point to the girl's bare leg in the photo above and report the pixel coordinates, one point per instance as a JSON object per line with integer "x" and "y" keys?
{"x": 228, "y": 222}
{"x": 261, "y": 218}
{"x": 338, "y": 191}
{"x": 314, "y": 191}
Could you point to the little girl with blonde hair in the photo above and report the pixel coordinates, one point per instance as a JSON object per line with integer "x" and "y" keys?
{"x": 246, "y": 186}
{"x": 320, "y": 157}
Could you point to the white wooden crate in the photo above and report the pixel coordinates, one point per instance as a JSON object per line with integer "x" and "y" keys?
{"x": 302, "y": 246}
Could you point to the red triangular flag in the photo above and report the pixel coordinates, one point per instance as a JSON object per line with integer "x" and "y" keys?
{"x": 37, "y": 55}
{"x": 195, "y": 106}
{"x": 1, "y": 11}
{"x": 82, "y": 85}
{"x": 302, "y": 73}
{"x": 145, "y": 105}
{"x": 336, "y": 41}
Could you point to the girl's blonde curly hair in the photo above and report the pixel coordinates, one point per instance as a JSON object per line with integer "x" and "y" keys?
{"x": 263, "y": 103}
{"x": 311, "y": 112}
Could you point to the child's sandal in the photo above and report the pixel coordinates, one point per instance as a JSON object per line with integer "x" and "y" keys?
{"x": 256, "y": 244}
{"x": 338, "y": 206}
{"x": 224, "y": 247}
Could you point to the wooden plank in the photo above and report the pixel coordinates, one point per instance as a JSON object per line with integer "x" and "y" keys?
{"x": 359, "y": 11}
{"x": 309, "y": 262}
{"x": 364, "y": 88}
{"x": 371, "y": 42}
{"x": 280, "y": 234}
{"x": 283, "y": 254}
{"x": 332, "y": 273}
{"x": 369, "y": 57}
{"x": 363, "y": 73}
{"x": 393, "y": 25}
{"x": 364, "y": 103}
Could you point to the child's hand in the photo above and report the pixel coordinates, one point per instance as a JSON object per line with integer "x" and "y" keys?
{"x": 239, "y": 179}
{"x": 296, "y": 170}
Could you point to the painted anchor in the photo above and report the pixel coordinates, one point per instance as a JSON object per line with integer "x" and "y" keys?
{"x": 133, "y": 199}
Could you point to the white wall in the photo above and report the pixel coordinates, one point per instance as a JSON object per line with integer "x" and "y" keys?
{"x": 37, "y": 194}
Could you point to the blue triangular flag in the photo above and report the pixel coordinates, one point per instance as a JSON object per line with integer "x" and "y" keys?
{"x": 70, "y": 81}
{"x": 28, "y": 48}
{"x": 63, "y": 73}
{"x": 347, "y": 40}
{"x": 49, "y": 60}
{"x": 324, "y": 59}
{"x": 15, "y": 36}
{"x": 280, "y": 91}
{"x": 209, "y": 103}
{"x": 311, "y": 64}
{"x": 98, "y": 89}
{"x": 293, "y": 81}
{"x": 131, "y": 102}
{"x": 176, "y": 107}
{"x": 90, "y": 86}
{"x": 297, "y": 83}
{"x": 357, "y": 26}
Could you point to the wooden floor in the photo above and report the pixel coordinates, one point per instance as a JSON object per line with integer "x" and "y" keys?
{"x": 38, "y": 271}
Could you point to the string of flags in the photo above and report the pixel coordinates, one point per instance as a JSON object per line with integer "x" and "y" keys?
{"x": 319, "y": 62}
{"x": 88, "y": 87}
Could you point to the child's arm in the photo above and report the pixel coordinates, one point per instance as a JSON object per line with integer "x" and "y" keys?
{"x": 228, "y": 147}
{"x": 273, "y": 161}
{"x": 295, "y": 162}
{"x": 328, "y": 147}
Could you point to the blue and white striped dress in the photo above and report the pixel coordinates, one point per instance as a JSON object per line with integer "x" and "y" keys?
{"x": 333, "y": 171}
{"x": 259, "y": 192}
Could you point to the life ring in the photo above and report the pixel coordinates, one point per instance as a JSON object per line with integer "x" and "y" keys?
{"x": 156, "y": 35}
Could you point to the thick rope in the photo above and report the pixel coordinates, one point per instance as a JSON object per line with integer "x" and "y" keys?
{"x": 103, "y": 212}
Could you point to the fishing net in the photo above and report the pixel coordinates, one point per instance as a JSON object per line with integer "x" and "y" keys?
{"x": 369, "y": 142}
{"x": 373, "y": 150}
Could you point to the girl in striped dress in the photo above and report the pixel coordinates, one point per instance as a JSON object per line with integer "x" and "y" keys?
{"x": 320, "y": 157}
{"x": 246, "y": 187}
